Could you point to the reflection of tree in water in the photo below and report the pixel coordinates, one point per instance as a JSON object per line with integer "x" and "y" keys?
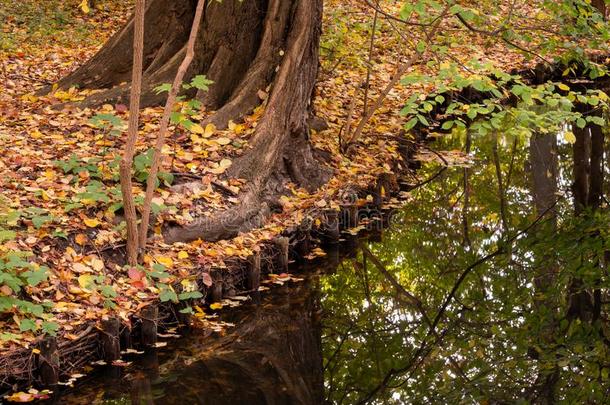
{"x": 470, "y": 299}
{"x": 273, "y": 356}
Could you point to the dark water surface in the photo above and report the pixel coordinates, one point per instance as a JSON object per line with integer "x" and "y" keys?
{"x": 469, "y": 297}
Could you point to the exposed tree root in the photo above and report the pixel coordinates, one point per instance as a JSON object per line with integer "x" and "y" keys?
{"x": 255, "y": 51}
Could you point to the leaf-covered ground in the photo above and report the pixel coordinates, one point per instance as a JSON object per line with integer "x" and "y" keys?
{"x": 60, "y": 223}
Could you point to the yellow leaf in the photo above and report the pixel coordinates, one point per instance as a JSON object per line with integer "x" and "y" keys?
{"x": 29, "y": 98}
{"x": 233, "y": 127}
{"x": 197, "y": 129}
{"x": 84, "y": 5}
{"x": 97, "y": 264}
{"x": 563, "y": 87}
{"x": 216, "y": 305}
{"x": 21, "y": 397}
{"x": 223, "y": 141}
{"x": 225, "y": 163}
{"x": 570, "y": 137}
{"x": 209, "y": 130}
{"x": 92, "y": 222}
{"x": 183, "y": 255}
{"x": 86, "y": 281}
{"x": 36, "y": 134}
{"x": 166, "y": 261}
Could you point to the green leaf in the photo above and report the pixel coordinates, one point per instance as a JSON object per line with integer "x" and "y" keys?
{"x": 167, "y": 294}
{"x": 423, "y": 120}
{"x": 35, "y": 277}
{"x": 7, "y": 235}
{"x": 50, "y": 328}
{"x": 166, "y": 87}
{"x": 108, "y": 291}
{"x": 27, "y": 324}
{"x": 187, "y": 310}
{"x": 411, "y": 124}
{"x": 40, "y": 221}
{"x": 201, "y": 82}
{"x": 190, "y": 295}
{"x": 447, "y": 125}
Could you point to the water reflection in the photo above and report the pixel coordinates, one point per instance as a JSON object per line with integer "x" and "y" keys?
{"x": 273, "y": 356}
{"x": 491, "y": 287}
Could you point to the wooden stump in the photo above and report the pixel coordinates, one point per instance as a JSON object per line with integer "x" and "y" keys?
{"x": 149, "y": 316}
{"x": 126, "y": 341}
{"x": 283, "y": 244}
{"x": 48, "y": 361}
{"x": 110, "y": 339}
{"x": 254, "y": 273}
{"x": 216, "y": 295}
{"x": 331, "y": 227}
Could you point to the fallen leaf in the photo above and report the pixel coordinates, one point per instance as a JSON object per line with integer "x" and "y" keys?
{"x": 92, "y": 222}
{"x": 86, "y": 281}
{"x": 81, "y": 239}
{"x": 207, "y": 279}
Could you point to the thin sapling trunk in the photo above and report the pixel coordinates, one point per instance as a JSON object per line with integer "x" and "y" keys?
{"x": 151, "y": 183}
{"x": 132, "y": 135}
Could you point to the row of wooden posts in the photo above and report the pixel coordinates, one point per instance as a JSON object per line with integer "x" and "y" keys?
{"x": 113, "y": 337}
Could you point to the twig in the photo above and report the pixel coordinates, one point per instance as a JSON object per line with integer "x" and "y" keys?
{"x": 78, "y": 337}
{"x": 370, "y": 61}
{"x": 397, "y": 77}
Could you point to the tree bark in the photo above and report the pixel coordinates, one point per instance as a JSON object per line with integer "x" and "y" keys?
{"x": 246, "y": 47}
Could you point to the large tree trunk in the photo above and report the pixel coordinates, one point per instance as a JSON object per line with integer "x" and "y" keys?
{"x": 244, "y": 47}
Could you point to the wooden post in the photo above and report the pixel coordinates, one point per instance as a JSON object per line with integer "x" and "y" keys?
{"x": 332, "y": 229}
{"x": 350, "y": 215}
{"x": 380, "y": 192}
{"x": 126, "y": 342}
{"x": 230, "y": 290}
{"x": 185, "y": 320}
{"x": 283, "y": 244}
{"x": 150, "y": 315}
{"x": 110, "y": 339}
{"x": 216, "y": 295}
{"x": 48, "y": 361}
{"x": 304, "y": 245}
{"x": 254, "y": 275}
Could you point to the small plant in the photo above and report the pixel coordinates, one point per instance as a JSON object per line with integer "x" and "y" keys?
{"x": 142, "y": 164}
{"x": 189, "y": 109}
{"x": 109, "y": 123}
{"x": 17, "y": 275}
{"x": 76, "y": 166}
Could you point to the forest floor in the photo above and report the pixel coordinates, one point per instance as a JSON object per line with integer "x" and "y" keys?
{"x": 58, "y": 172}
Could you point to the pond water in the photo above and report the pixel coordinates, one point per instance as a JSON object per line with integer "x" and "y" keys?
{"x": 485, "y": 289}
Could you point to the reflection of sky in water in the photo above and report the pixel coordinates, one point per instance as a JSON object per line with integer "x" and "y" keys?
{"x": 494, "y": 312}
